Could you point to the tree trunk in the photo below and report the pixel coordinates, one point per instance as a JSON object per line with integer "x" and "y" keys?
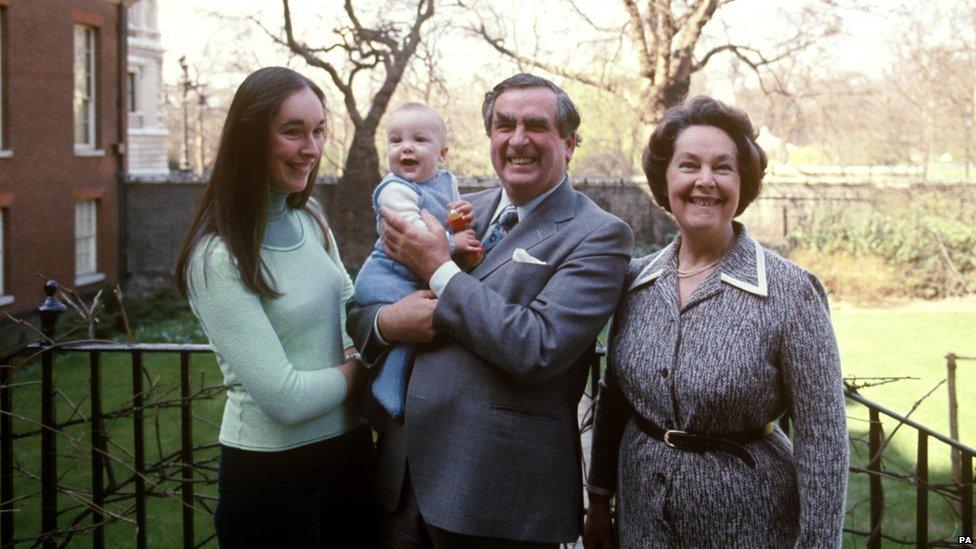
{"x": 353, "y": 215}
{"x": 657, "y": 100}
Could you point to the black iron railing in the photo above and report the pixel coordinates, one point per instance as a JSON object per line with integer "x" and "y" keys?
{"x": 142, "y": 481}
{"x": 963, "y": 488}
{"x": 148, "y": 480}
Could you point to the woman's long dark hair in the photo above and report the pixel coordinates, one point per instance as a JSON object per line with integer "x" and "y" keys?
{"x": 235, "y": 200}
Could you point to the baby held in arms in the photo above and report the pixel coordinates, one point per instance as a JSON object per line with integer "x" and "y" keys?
{"x": 416, "y": 148}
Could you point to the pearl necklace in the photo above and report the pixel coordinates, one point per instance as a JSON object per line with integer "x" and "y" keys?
{"x": 693, "y": 272}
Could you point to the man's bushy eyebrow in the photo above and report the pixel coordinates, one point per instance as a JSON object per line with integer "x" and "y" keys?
{"x": 504, "y": 118}
{"x": 538, "y": 121}
{"x": 533, "y": 121}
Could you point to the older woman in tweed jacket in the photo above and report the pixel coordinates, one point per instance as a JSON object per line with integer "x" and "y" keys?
{"x": 714, "y": 338}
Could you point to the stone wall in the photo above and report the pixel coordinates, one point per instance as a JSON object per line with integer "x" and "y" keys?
{"x": 157, "y": 216}
{"x": 159, "y": 212}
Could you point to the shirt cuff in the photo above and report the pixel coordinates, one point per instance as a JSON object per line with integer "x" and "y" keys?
{"x": 443, "y": 275}
{"x": 376, "y": 329}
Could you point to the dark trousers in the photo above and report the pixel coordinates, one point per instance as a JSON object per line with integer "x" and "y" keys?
{"x": 406, "y": 529}
{"x": 317, "y": 495}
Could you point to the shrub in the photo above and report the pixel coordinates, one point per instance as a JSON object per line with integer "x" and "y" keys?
{"x": 906, "y": 243}
{"x": 852, "y": 277}
{"x": 162, "y": 315}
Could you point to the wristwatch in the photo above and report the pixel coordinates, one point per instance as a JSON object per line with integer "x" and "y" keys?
{"x": 354, "y": 356}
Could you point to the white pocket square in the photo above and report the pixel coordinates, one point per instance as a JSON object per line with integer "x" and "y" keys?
{"x": 522, "y": 256}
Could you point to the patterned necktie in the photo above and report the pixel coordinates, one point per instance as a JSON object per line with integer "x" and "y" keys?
{"x": 506, "y": 221}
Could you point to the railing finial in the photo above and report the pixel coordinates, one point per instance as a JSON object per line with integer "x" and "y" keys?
{"x": 50, "y": 309}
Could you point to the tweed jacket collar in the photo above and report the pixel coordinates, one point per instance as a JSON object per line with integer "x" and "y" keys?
{"x": 743, "y": 268}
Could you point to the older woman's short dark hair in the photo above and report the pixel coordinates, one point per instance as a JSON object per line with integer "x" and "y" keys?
{"x": 705, "y": 111}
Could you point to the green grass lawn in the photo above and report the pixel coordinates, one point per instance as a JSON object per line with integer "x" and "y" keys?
{"x": 908, "y": 341}
{"x": 895, "y": 341}
{"x": 912, "y": 341}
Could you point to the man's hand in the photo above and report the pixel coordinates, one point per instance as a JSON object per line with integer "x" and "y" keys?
{"x": 410, "y": 320}
{"x": 466, "y": 210}
{"x": 421, "y": 251}
{"x": 598, "y": 531}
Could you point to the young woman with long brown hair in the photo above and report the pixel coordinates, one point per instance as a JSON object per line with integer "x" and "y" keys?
{"x": 262, "y": 273}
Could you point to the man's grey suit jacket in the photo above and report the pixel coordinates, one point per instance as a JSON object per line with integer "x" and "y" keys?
{"x": 490, "y": 429}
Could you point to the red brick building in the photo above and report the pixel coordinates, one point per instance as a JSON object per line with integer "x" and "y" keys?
{"x": 62, "y": 142}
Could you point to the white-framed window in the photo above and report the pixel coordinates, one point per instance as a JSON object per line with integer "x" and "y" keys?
{"x": 133, "y": 91}
{"x": 86, "y": 239}
{"x": 85, "y": 89}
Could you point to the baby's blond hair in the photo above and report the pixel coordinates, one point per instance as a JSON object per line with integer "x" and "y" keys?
{"x": 420, "y": 107}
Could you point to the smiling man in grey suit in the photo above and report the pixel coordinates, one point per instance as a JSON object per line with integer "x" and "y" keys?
{"x": 487, "y": 454}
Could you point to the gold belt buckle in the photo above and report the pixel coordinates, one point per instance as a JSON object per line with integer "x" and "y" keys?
{"x": 670, "y": 432}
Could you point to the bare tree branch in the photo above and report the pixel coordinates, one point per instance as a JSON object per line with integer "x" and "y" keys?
{"x": 639, "y": 38}
{"x": 584, "y": 17}
{"x": 401, "y": 56}
{"x": 344, "y": 87}
{"x": 664, "y": 35}
{"x": 691, "y": 31}
{"x": 499, "y": 46}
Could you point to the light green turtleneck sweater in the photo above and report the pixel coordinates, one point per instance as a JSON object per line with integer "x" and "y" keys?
{"x": 278, "y": 356}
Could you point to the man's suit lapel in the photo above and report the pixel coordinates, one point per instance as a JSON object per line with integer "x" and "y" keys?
{"x": 542, "y": 223}
{"x": 484, "y": 206}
